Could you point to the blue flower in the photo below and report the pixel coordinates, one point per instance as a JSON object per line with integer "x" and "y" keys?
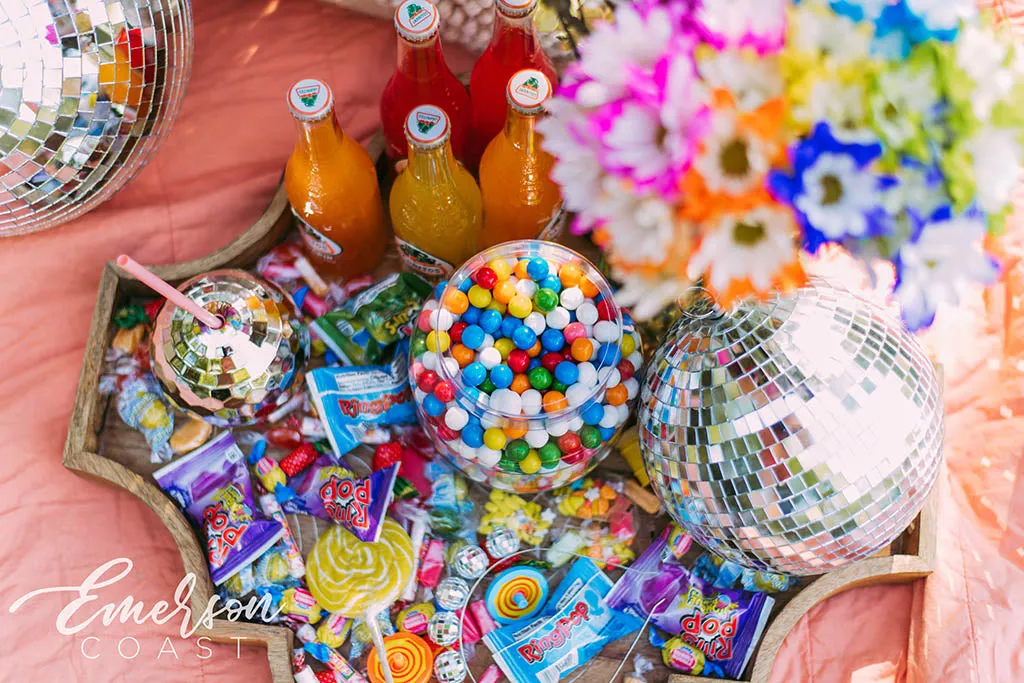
{"x": 858, "y": 10}
{"x": 833, "y": 190}
{"x": 902, "y": 25}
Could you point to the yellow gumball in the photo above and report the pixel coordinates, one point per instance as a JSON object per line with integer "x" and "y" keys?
{"x": 479, "y": 297}
{"x": 531, "y": 463}
{"x": 628, "y": 344}
{"x": 520, "y": 306}
{"x": 504, "y": 346}
{"x": 501, "y": 268}
{"x": 437, "y": 341}
{"x": 494, "y": 438}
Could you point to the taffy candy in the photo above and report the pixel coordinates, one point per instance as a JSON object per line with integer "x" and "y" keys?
{"x": 190, "y": 435}
{"x": 575, "y": 624}
{"x": 528, "y": 520}
{"x": 482, "y": 616}
{"x": 140, "y": 404}
{"x": 334, "y": 630}
{"x": 296, "y": 567}
{"x": 587, "y": 498}
{"x": 723, "y": 624}
{"x": 299, "y": 603}
{"x": 431, "y": 563}
{"x": 409, "y": 658}
{"x": 514, "y": 372}
{"x": 415, "y": 618}
{"x": 361, "y": 329}
{"x": 330, "y": 491}
{"x": 212, "y": 485}
{"x": 348, "y": 400}
{"x": 350, "y": 576}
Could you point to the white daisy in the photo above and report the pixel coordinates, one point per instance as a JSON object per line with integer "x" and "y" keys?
{"x": 646, "y": 296}
{"x": 823, "y": 32}
{"x": 842, "y": 106}
{"x": 752, "y": 80}
{"x": 943, "y": 15}
{"x": 903, "y": 100}
{"x": 640, "y": 229}
{"x": 576, "y": 170}
{"x": 997, "y": 157}
{"x": 754, "y": 245}
{"x": 837, "y": 195}
{"x": 737, "y": 21}
{"x": 983, "y": 57}
{"x": 935, "y": 269}
{"x": 732, "y": 160}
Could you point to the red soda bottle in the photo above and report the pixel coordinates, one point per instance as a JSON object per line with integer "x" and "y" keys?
{"x": 422, "y": 77}
{"x": 514, "y": 46}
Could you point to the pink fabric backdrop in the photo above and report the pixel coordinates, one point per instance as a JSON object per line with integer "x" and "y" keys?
{"x": 208, "y": 182}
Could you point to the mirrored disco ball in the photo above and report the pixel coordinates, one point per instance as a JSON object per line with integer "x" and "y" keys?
{"x": 798, "y": 435}
{"x": 87, "y": 90}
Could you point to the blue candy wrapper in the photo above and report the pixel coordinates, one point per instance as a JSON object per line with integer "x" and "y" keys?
{"x": 575, "y": 624}
{"x": 350, "y": 399}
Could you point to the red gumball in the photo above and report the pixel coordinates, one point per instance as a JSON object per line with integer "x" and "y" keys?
{"x": 605, "y": 310}
{"x": 550, "y": 360}
{"x": 446, "y": 433}
{"x": 444, "y": 391}
{"x": 626, "y": 369}
{"x": 485, "y": 277}
{"x": 567, "y": 353}
{"x": 569, "y": 443}
{"x": 518, "y": 360}
{"x": 456, "y": 332}
{"x": 386, "y": 455}
{"x": 574, "y": 457}
{"x": 423, "y": 320}
{"x": 427, "y": 381}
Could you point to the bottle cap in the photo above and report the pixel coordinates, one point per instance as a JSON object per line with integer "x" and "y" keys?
{"x": 528, "y": 90}
{"x": 417, "y": 20}
{"x": 515, "y": 8}
{"x": 427, "y": 127}
{"x": 310, "y": 100}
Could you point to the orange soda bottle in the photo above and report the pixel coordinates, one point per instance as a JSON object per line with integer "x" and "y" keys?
{"x": 520, "y": 199}
{"x": 331, "y": 184}
{"x": 435, "y": 202}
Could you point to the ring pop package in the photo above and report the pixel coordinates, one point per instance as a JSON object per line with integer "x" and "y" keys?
{"x": 523, "y": 367}
{"x": 724, "y": 625}
{"x": 211, "y": 484}
{"x": 574, "y": 625}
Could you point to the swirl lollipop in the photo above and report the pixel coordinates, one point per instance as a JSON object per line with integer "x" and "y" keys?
{"x": 359, "y": 579}
{"x": 516, "y": 593}
{"x": 409, "y": 658}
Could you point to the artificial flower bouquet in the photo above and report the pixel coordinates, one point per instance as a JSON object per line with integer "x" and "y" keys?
{"x": 713, "y": 141}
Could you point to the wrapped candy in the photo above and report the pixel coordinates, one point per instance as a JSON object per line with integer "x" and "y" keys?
{"x": 450, "y": 667}
{"x": 362, "y": 637}
{"x": 528, "y": 520}
{"x": 470, "y": 562}
{"x": 140, "y": 404}
{"x": 452, "y": 593}
{"x": 501, "y": 543}
{"x": 212, "y": 486}
{"x": 443, "y": 628}
{"x": 415, "y": 618}
{"x": 334, "y": 630}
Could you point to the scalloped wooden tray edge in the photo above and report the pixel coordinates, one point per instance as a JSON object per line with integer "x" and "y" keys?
{"x": 81, "y": 455}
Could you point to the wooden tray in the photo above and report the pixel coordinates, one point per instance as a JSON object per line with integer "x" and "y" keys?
{"x": 100, "y": 447}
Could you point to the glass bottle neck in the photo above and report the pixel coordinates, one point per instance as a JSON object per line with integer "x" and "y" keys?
{"x": 420, "y": 61}
{"x": 521, "y": 130}
{"x": 432, "y": 165}
{"x": 319, "y": 138}
{"x": 514, "y": 32}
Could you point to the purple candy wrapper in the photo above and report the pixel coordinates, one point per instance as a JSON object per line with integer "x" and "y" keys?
{"x": 724, "y": 624}
{"x": 330, "y": 491}
{"x": 575, "y": 624}
{"x": 211, "y": 484}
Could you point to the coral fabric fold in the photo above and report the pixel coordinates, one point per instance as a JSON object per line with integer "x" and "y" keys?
{"x": 210, "y": 180}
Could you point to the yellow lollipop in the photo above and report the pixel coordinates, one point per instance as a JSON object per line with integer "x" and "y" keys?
{"x": 352, "y": 577}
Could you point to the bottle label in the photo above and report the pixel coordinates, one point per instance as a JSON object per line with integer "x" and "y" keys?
{"x": 555, "y": 225}
{"x": 418, "y": 261}
{"x": 317, "y": 242}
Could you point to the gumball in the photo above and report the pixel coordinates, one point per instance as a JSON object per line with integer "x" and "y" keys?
{"x": 582, "y": 349}
{"x": 554, "y": 401}
{"x": 551, "y": 282}
{"x": 552, "y": 340}
{"x": 577, "y": 394}
{"x": 524, "y": 337}
{"x": 558, "y": 318}
{"x": 487, "y": 386}
{"x": 479, "y": 297}
{"x": 527, "y": 288}
{"x": 520, "y": 306}
{"x": 545, "y": 300}
{"x": 462, "y": 355}
{"x": 608, "y": 354}
{"x": 536, "y": 438}
{"x": 427, "y": 380}
{"x": 455, "y": 301}
{"x": 432, "y": 406}
{"x": 593, "y": 414}
{"x": 566, "y": 372}
{"x": 532, "y": 401}
{"x": 474, "y": 373}
{"x": 494, "y": 438}
{"x": 587, "y": 313}
{"x": 501, "y": 376}
{"x": 518, "y": 360}
{"x": 444, "y": 391}
{"x": 520, "y": 383}
{"x": 497, "y": 307}
{"x": 628, "y": 344}
{"x": 488, "y": 457}
{"x": 534, "y": 350}
{"x": 550, "y": 455}
{"x": 504, "y": 347}
{"x": 531, "y": 463}
{"x": 437, "y": 341}
{"x": 456, "y": 418}
{"x": 423, "y": 320}
{"x": 489, "y": 357}
{"x": 473, "y": 435}
{"x": 472, "y": 337}
{"x": 517, "y": 450}
{"x": 605, "y": 310}
{"x": 569, "y": 442}
{"x": 616, "y": 395}
{"x": 588, "y": 287}
{"x": 570, "y": 275}
{"x": 519, "y": 269}
{"x": 485, "y": 277}
{"x": 504, "y": 291}
{"x": 537, "y": 269}
{"x": 572, "y": 332}
{"x": 610, "y": 417}
{"x": 445, "y": 433}
{"x": 490, "y": 321}
{"x": 558, "y": 386}
{"x": 535, "y": 321}
{"x": 626, "y": 369}
{"x": 540, "y": 378}
{"x": 549, "y": 361}
{"x": 500, "y": 267}
{"x": 590, "y": 436}
{"x": 571, "y": 298}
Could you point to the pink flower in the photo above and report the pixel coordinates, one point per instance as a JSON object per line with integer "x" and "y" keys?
{"x": 760, "y": 24}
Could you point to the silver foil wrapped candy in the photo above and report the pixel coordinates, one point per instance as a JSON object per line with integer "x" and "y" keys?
{"x": 88, "y": 90}
{"x": 238, "y": 374}
{"x": 797, "y": 436}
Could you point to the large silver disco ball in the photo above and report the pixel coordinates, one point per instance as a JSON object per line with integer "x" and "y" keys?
{"x": 87, "y": 90}
{"x": 797, "y": 436}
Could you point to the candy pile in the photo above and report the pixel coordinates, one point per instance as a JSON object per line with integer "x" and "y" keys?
{"x": 523, "y": 366}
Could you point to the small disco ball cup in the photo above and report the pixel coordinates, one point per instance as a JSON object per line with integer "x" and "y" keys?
{"x": 240, "y": 373}
{"x": 89, "y": 89}
{"x": 795, "y": 436}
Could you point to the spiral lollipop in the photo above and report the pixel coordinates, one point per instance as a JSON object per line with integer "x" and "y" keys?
{"x": 516, "y": 593}
{"x": 409, "y": 658}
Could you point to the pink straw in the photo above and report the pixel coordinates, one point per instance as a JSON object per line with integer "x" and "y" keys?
{"x": 132, "y": 267}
